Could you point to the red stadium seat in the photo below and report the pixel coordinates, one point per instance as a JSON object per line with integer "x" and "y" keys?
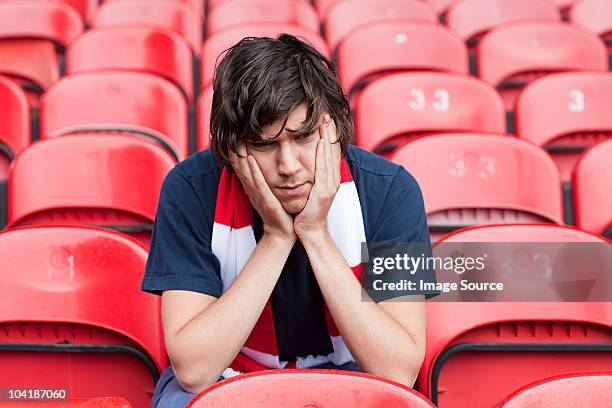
{"x": 14, "y": 124}
{"x": 178, "y": 16}
{"x": 473, "y": 18}
{"x": 564, "y": 391}
{"x": 29, "y": 34}
{"x": 473, "y": 179}
{"x": 216, "y": 44}
{"x": 86, "y": 8}
{"x": 308, "y": 388}
{"x": 380, "y": 48}
{"x": 406, "y": 104}
{"x": 136, "y": 103}
{"x": 110, "y": 181}
{"x": 346, "y": 15}
{"x": 144, "y": 49}
{"x": 510, "y": 57}
{"x": 108, "y": 402}
{"x": 203, "y": 118}
{"x": 73, "y": 315}
{"x": 477, "y": 353}
{"x": 592, "y": 192}
{"x": 594, "y": 16}
{"x": 239, "y": 12}
{"x": 566, "y": 113}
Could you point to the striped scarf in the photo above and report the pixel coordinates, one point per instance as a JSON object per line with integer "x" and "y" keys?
{"x": 233, "y": 241}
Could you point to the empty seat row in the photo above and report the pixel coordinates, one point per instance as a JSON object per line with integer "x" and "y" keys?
{"x": 467, "y": 179}
{"x": 72, "y": 299}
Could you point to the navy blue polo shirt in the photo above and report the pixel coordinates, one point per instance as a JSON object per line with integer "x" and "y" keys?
{"x": 180, "y": 254}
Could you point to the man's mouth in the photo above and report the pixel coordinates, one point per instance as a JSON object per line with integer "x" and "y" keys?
{"x": 293, "y": 189}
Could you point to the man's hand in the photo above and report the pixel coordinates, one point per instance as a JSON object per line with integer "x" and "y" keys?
{"x": 277, "y": 222}
{"x": 313, "y": 218}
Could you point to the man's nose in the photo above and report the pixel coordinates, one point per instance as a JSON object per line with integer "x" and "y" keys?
{"x": 288, "y": 161}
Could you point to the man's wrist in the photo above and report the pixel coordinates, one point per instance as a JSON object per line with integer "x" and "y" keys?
{"x": 278, "y": 239}
{"x": 313, "y": 236}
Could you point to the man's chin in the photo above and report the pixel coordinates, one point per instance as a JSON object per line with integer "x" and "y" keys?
{"x": 294, "y": 206}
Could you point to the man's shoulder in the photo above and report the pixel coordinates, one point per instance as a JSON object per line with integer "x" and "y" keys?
{"x": 199, "y": 164}
{"x": 364, "y": 161}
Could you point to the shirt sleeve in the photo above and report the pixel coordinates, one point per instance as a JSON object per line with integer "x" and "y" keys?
{"x": 180, "y": 255}
{"x": 401, "y": 229}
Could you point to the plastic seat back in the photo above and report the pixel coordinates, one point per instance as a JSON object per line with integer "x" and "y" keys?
{"x": 511, "y": 56}
{"x": 565, "y": 391}
{"x": 377, "y": 49}
{"x": 110, "y": 181}
{"x": 592, "y": 193}
{"x": 473, "y": 18}
{"x": 73, "y": 315}
{"x": 594, "y": 16}
{"x": 135, "y": 103}
{"x": 403, "y": 105}
{"x": 178, "y": 16}
{"x": 14, "y": 124}
{"x": 566, "y": 113}
{"x": 475, "y": 179}
{"x": 239, "y": 12}
{"x": 142, "y": 49}
{"x": 347, "y": 15}
{"x": 29, "y": 35}
{"x": 308, "y": 388}
{"x": 502, "y": 346}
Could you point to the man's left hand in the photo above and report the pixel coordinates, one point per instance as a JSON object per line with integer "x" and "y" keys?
{"x": 313, "y": 218}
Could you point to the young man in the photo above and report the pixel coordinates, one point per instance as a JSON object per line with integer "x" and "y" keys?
{"x": 256, "y": 245}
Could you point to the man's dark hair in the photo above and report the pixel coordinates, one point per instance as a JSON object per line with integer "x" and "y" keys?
{"x": 262, "y": 80}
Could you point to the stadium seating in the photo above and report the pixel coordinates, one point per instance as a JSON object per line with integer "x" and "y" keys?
{"x": 402, "y": 105}
{"x": 239, "y": 12}
{"x": 135, "y": 103}
{"x": 594, "y": 16}
{"x": 565, "y": 391}
{"x": 308, "y": 388}
{"x": 510, "y": 57}
{"x": 473, "y": 18}
{"x": 203, "y": 119}
{"x": 14, "y": 124}
{"x": 216, "y": 44}
{"x": 478, "y": 353}
{"x": 379, "y": 48}
{"x": 473, "y": 179}
{"x": 29, "y": 34}
{"x": 144, "y": 49}
{"x": 592, "y": 192}
{"x": 73, "y": 315}
{"x": 566, "y": 113}
{"x": 346, "y": 15}
{"x": 111, "y": 181}
{"x": 179, "y": 16}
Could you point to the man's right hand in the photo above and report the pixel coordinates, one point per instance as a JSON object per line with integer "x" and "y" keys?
{"x": 277, "y": 222}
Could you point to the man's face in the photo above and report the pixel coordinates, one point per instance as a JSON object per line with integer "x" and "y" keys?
{"x": 287, "y": 162}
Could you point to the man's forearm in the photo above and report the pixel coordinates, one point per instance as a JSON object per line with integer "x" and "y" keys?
{"x": 213, "y": 338}
{"x": 379, "y": 344}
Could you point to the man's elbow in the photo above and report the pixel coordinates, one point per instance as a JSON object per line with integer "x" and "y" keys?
{"x": 407, "y": 369}
{"x": 194, "y": 381}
